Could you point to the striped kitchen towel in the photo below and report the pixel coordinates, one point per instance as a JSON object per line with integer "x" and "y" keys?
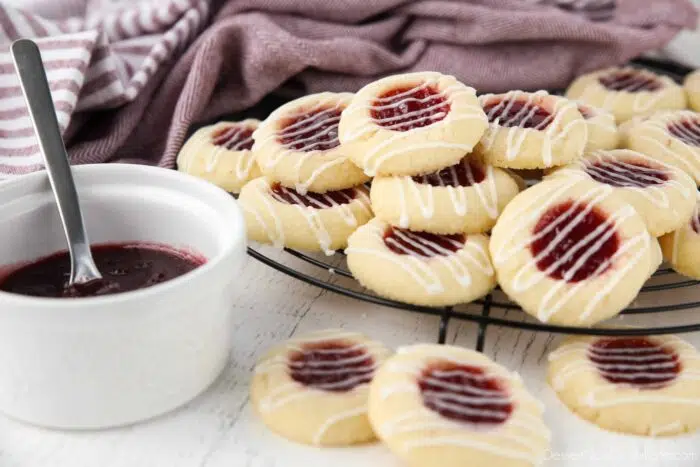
{"x": 130, "y": 80}
{"x": 97, "y": 61}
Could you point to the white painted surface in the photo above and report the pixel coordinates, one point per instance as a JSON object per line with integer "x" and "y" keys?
{"x": 219, "y": 430}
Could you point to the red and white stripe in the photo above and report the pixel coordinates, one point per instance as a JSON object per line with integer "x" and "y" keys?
{"x": 100, "y": 61}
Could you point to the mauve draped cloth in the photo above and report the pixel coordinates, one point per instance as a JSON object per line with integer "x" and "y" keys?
{"x": 200, "y": 60}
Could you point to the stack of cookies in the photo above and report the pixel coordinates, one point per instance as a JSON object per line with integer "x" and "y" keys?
{"x": 432, "y": 199}
{"x": 444, "y": 165}
{"x": 311, "y": 196}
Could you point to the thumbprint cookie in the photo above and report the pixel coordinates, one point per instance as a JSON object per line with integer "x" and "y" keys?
{"x": 602, "y": 130}
{"x": 531, "y": 130}
{"x": 221, "y": 154}
{"x": 671, "y": 137}
{"x": 466, "y": 197}
{"x": 646, "y": 385}
{"x": 419, "y": 267}
{"x": 682, "y": 247}
{"x": 571, "y": 252}
{"x": 627, "y": 91}
{"x": 411, "y": 124}
{"x": 298, "y": 145}
{"x": 441, "y": 405}
{"x": 663, "y": 195}
{"x": 623, "y": 129}
{"x": 314, "y": 389}
{"x": 313, "y": 221}
{"x": 692, "y": 90}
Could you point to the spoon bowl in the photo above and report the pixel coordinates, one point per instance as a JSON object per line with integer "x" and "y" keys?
{"x": 35, "y": 88}
{"x": 110, "y": 360}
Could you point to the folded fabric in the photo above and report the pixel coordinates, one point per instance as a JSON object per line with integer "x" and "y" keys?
{"x": 101, "y": 61}
{"x": 129, "y": 80}
{"x": 684, "y": 48}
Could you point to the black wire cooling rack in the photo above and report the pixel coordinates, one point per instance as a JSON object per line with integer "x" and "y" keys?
{"x": 330, "y": 273}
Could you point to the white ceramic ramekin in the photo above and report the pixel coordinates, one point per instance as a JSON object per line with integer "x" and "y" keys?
{"x": 114, "y": 360}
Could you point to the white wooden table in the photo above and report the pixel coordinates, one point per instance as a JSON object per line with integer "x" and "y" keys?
{"x": 218, "y": 429}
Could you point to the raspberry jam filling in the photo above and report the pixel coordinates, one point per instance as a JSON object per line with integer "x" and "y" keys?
{"x": 629, "y": 81}
{"x": 464, "y": 173}
{"x": 567, "y": 233}
{"x": 465, "y": 393}
{"x": 635, "y": 361}
{"x": 686, "y": 130}
{"x": 312, "y": 200}
{"x": 334, "y": 366}
{"x": 518, "y": 113}
{"x": 695, "y": 221}
{"x": 406, "y": 108}
{"x": 423, "y": 244}
{"x": 629, "y": 173}
{"x": 234, "y": 138}
{"x": 312, "y": 130}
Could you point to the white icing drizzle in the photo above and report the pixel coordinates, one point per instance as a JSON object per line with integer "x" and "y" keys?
{"x": 561, "y": 292}
{"x": 312, "y": 122}
{"x": 654, "y": 131}
{"x": 486, "y": 191}
{"x": 324, "y": 107}
{"x": 688, "y": 130}
{"x": 341, "y": 366}
{"x": 312, "y": 214}
{"x": 517, "y": 437}
{"x": 598, "y": 121}
{"x": 202, "y": 145}
{"x": 692, "y": 228}
{"x": 376, "y": 156}
{"x": 279, "y": 361}
{"x": 339, "y": 417}
{"x": 603, "y": 397}
{"x": 397, "y": 101}
{"x": 643, "y": 100}
{"x": 687, "y": 163}
{"x": 620, "y": 168}
{"x": 516, "y": 134}
{"x": 608, "y": 394}
{"x": 673, "y": 427}
{"x": 641, "y": 362}
{"x": 282, "y": 362}
{"x": 231, "y": 138}
{"x": 469, "y": 258}
{"x": 634, "y": 82}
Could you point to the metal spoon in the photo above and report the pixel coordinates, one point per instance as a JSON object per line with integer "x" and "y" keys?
{"x": 35, "y": 87}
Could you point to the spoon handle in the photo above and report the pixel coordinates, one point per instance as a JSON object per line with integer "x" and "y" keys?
{"x": 35, "y": 87}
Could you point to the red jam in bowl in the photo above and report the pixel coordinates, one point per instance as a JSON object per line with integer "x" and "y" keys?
{"x": 124, "y": 268}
